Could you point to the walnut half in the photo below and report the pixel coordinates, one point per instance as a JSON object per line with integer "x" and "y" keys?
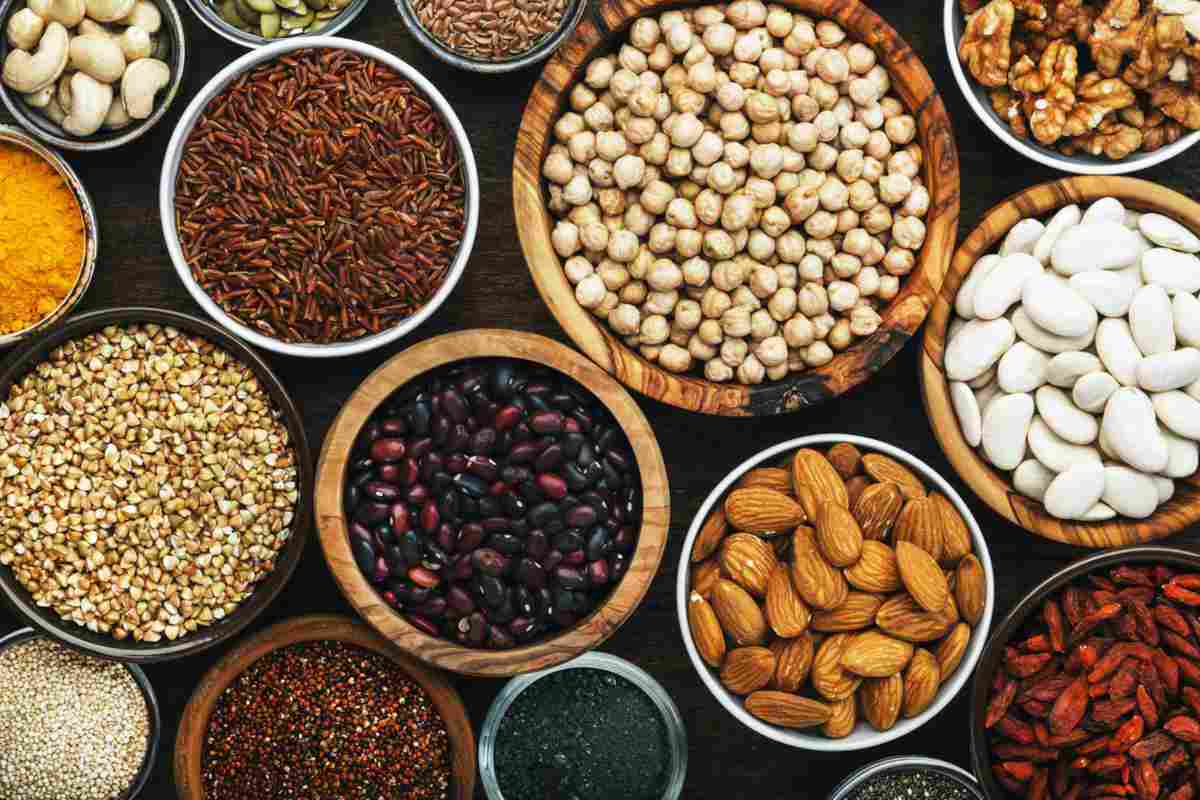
{"x": 986, "y": 46}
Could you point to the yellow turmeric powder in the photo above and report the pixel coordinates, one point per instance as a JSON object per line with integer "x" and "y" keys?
{"x": 42, "y": 241}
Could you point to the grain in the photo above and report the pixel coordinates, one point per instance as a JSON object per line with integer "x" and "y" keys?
{"x": 490, "y": 30}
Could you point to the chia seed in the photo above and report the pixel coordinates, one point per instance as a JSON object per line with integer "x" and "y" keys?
{"x": 582, "y": 734}
{"x": 912, "y": 785}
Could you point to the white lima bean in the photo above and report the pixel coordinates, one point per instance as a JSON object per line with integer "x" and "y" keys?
{"x": 1091, "y": 391}
{"x": 1151, "y": 322}
{"x": 1056, "y": 307}
{"x": 1092, "y": 246}
{"x": 1066, "y": 368}
{"x": 1129, "y": 492}
{"x": 1073, "y": 493}
{"x": 966, "y": 407}
{"x": 1005, "y": 425}
{"x": 1031, "y": 478}
{"x": 1176, "y": 272}
{"x": 1061, "y": 415}
{"x": 1022, "y": 369}
{"x": 1003, "y": 285}
{"x": 1110, "y": 293}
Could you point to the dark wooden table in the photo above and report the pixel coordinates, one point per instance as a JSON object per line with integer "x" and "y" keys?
{"x": 725, "y": 759}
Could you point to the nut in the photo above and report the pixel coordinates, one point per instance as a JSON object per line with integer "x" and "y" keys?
{"x": 921, "y": 682}
{"x": 922, "y": 576}
{"x": 767, "y": 478}
{"x": 787, "y": 710}
{"x": 901, "y": 617}
{"x": 970, "y": 589}
{"x": 829, "y": 677}
{"x": 842, "y": 719}
{"x": 888, "y": 470}
{"x": 706, "y": 630}
{"x": 876, "y": 509}
{"x": 950, "y": 651}
{"x": 759, "y": 510}
{"x": 711, "y": 533}
{"x": 854, "y": 614}
{"x": 747, "y": 669}
{"x": 787, "y": 614}
{"x": 818, "y": 582}
{"x": 814, "y": 479}
{"x": 880, "y": 701}
{"x": 876, "y": 655}
{"x": 838, "y": 534}
{"x": 739, "y": 615}
{"x": 956, "y": 538}
{"x": 749, "y": 561}
{"x": 846, "y": 459}
{"x": 793, "y": 662}
{"x": 876, "y": 570}
{"x": 920, "y": 522}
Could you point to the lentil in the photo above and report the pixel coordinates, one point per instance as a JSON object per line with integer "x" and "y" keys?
{"x": 493, "y": 502}
{"x": 325, "y": 719}
{"x": 587, "y": 734}
{"x": 490, "y": 30}
{"x": 320, "y": 198}
{"x": 147, "y": 482}
{"x": 913, "y": 785}
{"x": 71, "y": 726}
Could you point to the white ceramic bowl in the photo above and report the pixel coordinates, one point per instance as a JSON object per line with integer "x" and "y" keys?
{"x": 952, "y": 27}
{"x": 208, "y": 14}
{"x": 166, "y": 196}
{"x": 864, "y": 735}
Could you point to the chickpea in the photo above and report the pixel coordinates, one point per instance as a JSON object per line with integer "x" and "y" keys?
{"x": 908, "y": 232}
{"x": 611, "y": 202}
{"x": 802, "y": 39}
{"x": 590, "y": 291}
{"x": 568, "y": 125}
{"x": 558, "y": 168}
{"x": 889, "y": 287}
{"x": 857, "y": 242}
{"x": 917, "y": 202}
{"x": 864, "y": 321}
{"x": 863, "y": 92}
{"x": 599, "y": 73}
{"x": 679, "y": 38}
{"x": 735, "y": 322}
{"x": 821, "y": 225}
{"x": 722, "y": 178}
{"x": 847, "y": 220}
{"x": 891, "y": 107}
{"x": 854, "y": 135}
{"x": 599, "y": 117}
{"x": 679, "y": 163}
{"x": 662, "y": 238}
{"x": 817, "y": 354}
{"x": 879, "y": 75}
{"x": 823, "y": 249}
{"x": 867, "y": 281}
{"x": 718, "y": 371}
{"x": 664, "y": 276}
{"x": 827, "y": 126}
{"x": 833, "y": 67}
{"x": 641, "y": 263}
{"x": 699, "y": 349}
{"x": 736, "y": 214}
{"x": 565, "y": 238}
{"x": 656, "y": 150}
{"x": 577, "y": 268}
{"x": 719, "y": 245}
{"x": 638, "y": 219}
{"x": 656, "y": 197}
{"x": 688, "y": 315}
{"x": 734, "y": 125}
{"x": 845, "y": 265}
{"x": 759, "y": 246}
{"x": 801, "y": 203}
{"x": 751, "y": 371}
{"x": 874, "y": 254}
{"x": 840, "y": 337}
{"x": 774, "y": 222}
{"x": 813, "y": 300}
{"x": 804, "y": 107}
{"x": 600, "y": 173}
{"x": 799, "y": 332}
{"x": 660, "y": 302}
{"x": 823, "y": 324}
{"x": 899, "y": 261}
{"x": 824, "y": 93}
{"x": 582, "y": 215}
{"x": 639, "y": 130}
{"x": 736, "y": 154}
{"x": 782, "y": 304}
{"x": 872, "y": 169}
{"x": 803, "y": 137}
{"x": 689, "y": 243}
{"x": 772, "y": 351}
{"x": 650, "y": 352}
{"x": 870, "y": 115}
{"x": 785, "y": 182}
{"x": 894, "y": 188}
{"x": 833, "y": 194}
{"x": 594, "y": 236}
{"x": 823, "y": 159}
{"x": 901, "y": 129}
{"x": 633, "y": 293}
{"x": 708, "y": 148}
{"x": 614, "y": 275}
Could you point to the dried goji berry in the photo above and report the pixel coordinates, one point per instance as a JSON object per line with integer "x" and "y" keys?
{"x": 1023, "y": 665}
{"x": 1069, "y": 739}
{"x": 1125, "y": 681}
{"x": 1038, "y": 643}
{"x": 1039, "y": 785}
{"x": 1147, "y": 628}
{"x": 1002, "y": 777}
{"x": 1046, "y": 689}
{"x": 1070, "y": 707}
{"x": 1147, "y": 706}
{"x": 1179, "y": 594}
{"x": 1181, "y": 645}
{"x": 1060, "y": 779}
{"x": 1162, "y": 573}
{"x": 1101, "y": 582}
{"x": 1126, "y": 735}
{"x": 1142, "y": 594}
{"x": 1125, "y": 627}
{"x": 1055, "y": 627}
{"x": 1042, "y": 734}
{"x": 1146, "y": 780}
{"x": 1131, "y": 576}
{"x": 1168, "y": 671}
{"x": 1188, "y": 670}
{"x": 1020, "y": 771}
{"x": 999, "y": 704}
{"x": 1185, "y": 792}
{"x": 1010, "y": 751}
{"x": 1036, "y": 708}
{"x": 1190, "y": 580}
{"x": 1093, "y": 746}
{"x": 1170, "y": 618}
{"x": 1191, "y": 696}
{"x": 1073, "y": 793}
{"x": 1013, "y": 728}
{"x": 1109, "y": 712}
{"x": 1107, "y": 765}
{"x": 1172, "y": 761}
{"x": 1184, "y": 728}
{"x": 1073, "y": 600}
{"x": 1148, "y": 675}
{"x": 1097, "y": 690}
{"x": 1153, "y": 745}
{"x": 1094, "y": 620}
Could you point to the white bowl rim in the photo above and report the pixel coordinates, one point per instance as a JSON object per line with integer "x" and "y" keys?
{"x": 862, "y": 737}
{"x": 1079, "y": 165}
{"x": 174, "y": 155}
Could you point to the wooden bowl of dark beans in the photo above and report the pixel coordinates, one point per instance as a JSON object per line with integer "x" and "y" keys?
{"x": 492, "y": 502}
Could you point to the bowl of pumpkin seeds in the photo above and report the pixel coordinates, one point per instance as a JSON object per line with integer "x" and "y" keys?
{"x": 253, "y": 23}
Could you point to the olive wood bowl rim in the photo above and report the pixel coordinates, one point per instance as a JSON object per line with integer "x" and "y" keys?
{"x": 993, "y": 651}
{"x": 267, "y": 589}
{"x": 863, "y": 736}
{"x": 418, "y": 360}
{"x": 193, "y": 725}
{"x": 153, "y": 712}
{"x": 1039, "y": 201}
{"x": 902, "y": 317}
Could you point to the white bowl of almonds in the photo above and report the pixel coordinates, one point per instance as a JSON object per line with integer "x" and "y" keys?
{"x": 834, "y": 593}
{"x": 740, "y": 199}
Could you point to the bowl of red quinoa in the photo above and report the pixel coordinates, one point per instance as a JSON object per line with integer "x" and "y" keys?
{"x": 319, "y": 198}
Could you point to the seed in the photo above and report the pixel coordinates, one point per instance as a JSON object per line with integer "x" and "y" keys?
{"x": 320, "y": 198}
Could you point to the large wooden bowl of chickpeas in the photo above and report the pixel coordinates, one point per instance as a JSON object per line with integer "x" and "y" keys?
{"x": 739, "y": 208}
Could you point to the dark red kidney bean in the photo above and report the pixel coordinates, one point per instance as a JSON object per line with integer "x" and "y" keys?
{"x": 364, "y": 554}
{"x": 371, "y": 513}
{"x": 521, "y": 432}
{"x": 524, "y": 602}
{"x": 397, "y": 563}
{"x": 489, "y": 562}
{"x": 430, "y": 517}
{"x": 598, "y": 572}
{"x": 454, "y": 406}
{"x": 371, "y": 432}
{"x": 523, "y": 628}
{"x": 498, "y": 489}
{"x": 410, "y": 471}
{"x": 490, "y": 589}
{"x": 587, "y": 456}
{"x": 496, "y": 525}
{"x": 577, "y": 480}
{"x": 441, "y": 482}
{"x": 458, "y": 439}
{"x": 410, "y": 545}
{"x": 583, "y": 419}
{"x": 572, "y": 443}
{"x": 530, "y": 493}
{"x": 624, "y": 539}
{"x": 514, "y": 505}
{"x": 383, "y": 492}
{"x": 611, "y": 476}
{"x": 540, "y": 516}
{"x": 483, "y": 467}
{"x": 409, "y": 593}
{"x": 508, "y": 417}
{"x": 462, "y": 570}
{"x": 353, "y": 497}
{"x": 471, "y": 484}
{"x": 537, "y": 543}
{"x": 456, "y": 463}
{"x": 582, "y": 516}
{"x": 506, "y": 543}
{"x": 393, "y": 426}
{"x": 433, "y": 608}
{"x": 504, "y": 612}
{"x": 569, "y": 577}
{"x": 447, "y": 537}
{"x": 423, "y": 624}
{"x": 417, "y": 494}
{"x": 460, "y": 600}
{"x": 423, "y": 577}
{"x": 568, "y": 540}
{"x": 545, "y": 422}
{"x": 619, "y": 460}
{"x": 390, "y": 598}
{"x": 531, "y": 573}
{"x": 470, "y": 536}
{"x": 562, "y": 401}
{"x": 565, "y": 619}
{"x": 361, "y": 465}
{"x": 522, "y": 453}
{"x": 390, "y": 473}
{"x": 499, "y": 639}
{"x": 552, "y": 560}
{"x": 513, "y": 474}
{"x": 468, "y": 507}
{"x": 447, "y": 502}
{"x": 431, "y": 465}
{"x": 384, "y": 450}
{"x": 399, "y": 517}
{"x": 475, "y": 631}
{"x": 545, "y": 604}
{"x": 606, "y": 437}
{"x": 420, "y": 447}
{"x": 571, "y": 425}
{"x": 483, "y": 441}
{"x": 599, "y": 543}
{"x": 574, "y": 558}
{"x": 618, "y": 563}
{"x": 360, "y": 531}
{"x": 552, "y": 486}
{"x": 550, "y": 458}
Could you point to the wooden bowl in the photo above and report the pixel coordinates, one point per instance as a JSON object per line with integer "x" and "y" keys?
{"x": 189, "y": 741}
{"x": 994, "y": 487}
{"x": 589, "y": 632}
{"x": 102, "y": 644}
{"x": 596, "y": 35}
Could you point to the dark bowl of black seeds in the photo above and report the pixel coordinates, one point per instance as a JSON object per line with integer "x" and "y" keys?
{"x": 596, "y": 728}
{"x": 909, "y": 778}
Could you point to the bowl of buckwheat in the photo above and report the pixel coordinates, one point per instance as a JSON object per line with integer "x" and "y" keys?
{"x": 738, "y": 208}
{"x": 156, "y": 476}
{"x": 1089, "y": 87}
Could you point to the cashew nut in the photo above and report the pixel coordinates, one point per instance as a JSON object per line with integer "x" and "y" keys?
{"x": 98, "y": 56}
{"x": 109, "y": 10}
{"x": 63, "y": 94}
{"x": 25, "y": 29}
{"x": 27, "y": 72}
{"x": 89, "y": 27}
{"x": 90, "y": 102}
{"x": 117, "y": 117}
{"x": 145, "y": 15}
{"x": 68, "y": 12}
{"x": 135, "y": 43}
{"x": 54, "y": 112}
{"x": 143, "y": 79}
{"x": 41, "y": 98}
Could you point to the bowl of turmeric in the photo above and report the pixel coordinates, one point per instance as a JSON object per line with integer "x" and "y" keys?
{"x": 48, "y": 237}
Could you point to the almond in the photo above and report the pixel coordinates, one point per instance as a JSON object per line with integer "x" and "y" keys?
{"x": 818, "y": 582}
{"x": 829, "y": 677}
{"x": 970, "y": 589}
{"x": 876, "y": 509}
{"x": 920, "y": 522}
{"x": 739, "y": 615}
{"x": 775, "y": 478}
{"x": 707, "y": 635}
{"x": 758, "y": 510}
{"x": 788, "y": 710}
{"x": 854, "y": 614}
{"x": 814, "y": 479}
{"x": 748, "y": 561}
{"x": 876, "y": 569}
{"x": 922, "y": 576}
{"x": 793, "y": 661}
{"x": 876, "y": 655}
{"x": 711, "y": 533}
{"x": 855, "y": 486}
{"x": 900, "y": 616}
{"x": 838, "y": 535}
{"x": 846, "y": 459}
{"x": 950, "y": 651}
{"x": 786, "y": 612}
{"x": 843, "y": 719}
{"x": 888, "y": 470}
{"x": 921, "y": 682}
{"x": 747, "y": 669}
{"x": 956, "y": 537}
{"x": 705, "y": 576}
{"x": 880, "y": 700}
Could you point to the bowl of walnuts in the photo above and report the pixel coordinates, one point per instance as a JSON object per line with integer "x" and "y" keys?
{"x": 834, "y": 593}
{"x": 737, "y": 208}
{"x": 1083, "y": 86}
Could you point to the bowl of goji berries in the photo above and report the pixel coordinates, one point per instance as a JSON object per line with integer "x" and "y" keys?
{"x": 1091, "y": 686}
